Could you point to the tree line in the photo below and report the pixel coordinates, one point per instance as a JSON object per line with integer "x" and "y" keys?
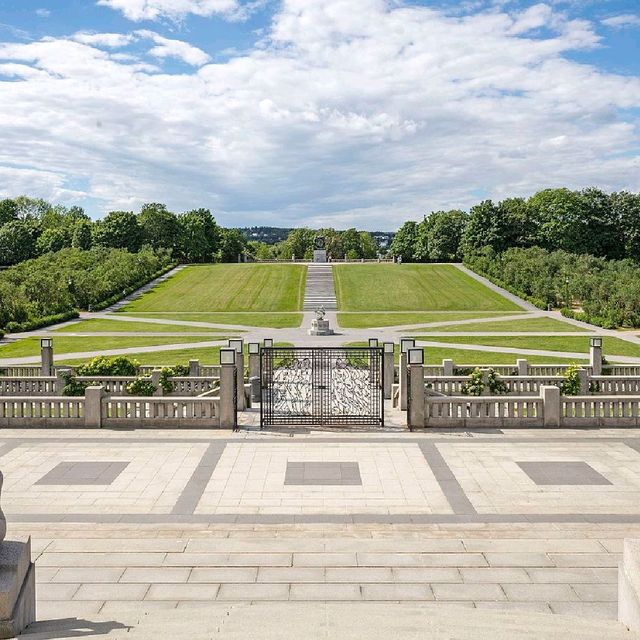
{"x": 31, "y": 227}
{"x": 581, "y": 222}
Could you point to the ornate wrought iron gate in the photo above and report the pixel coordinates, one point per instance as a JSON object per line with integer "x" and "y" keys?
{"x": 321, "y": 386}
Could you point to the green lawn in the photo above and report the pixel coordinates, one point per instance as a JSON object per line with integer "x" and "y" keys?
{"x": 364, "y": 320}
{"x": 531, "y": 324}
{"x": 207, "y": 355}
{"x": 228, "y": 287}
{"x": 271, "y": 320}
{"x": 71, "y": 344}
{"x": 413, "y": 287}
{"x": 576, "y": 344}
{"x": 435, "y": 355}
{"x": 98, "y": 325}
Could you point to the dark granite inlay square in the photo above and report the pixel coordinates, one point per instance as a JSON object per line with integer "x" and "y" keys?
{"x": 93, "y": 473}
{"x": 569, "y": 473}
{"x": 327, "y": 473}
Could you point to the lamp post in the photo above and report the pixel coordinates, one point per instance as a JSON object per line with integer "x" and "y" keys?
{"x": 566, "y": 293}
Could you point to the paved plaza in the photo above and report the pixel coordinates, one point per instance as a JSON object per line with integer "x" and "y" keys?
{"x": 521, "y": 521}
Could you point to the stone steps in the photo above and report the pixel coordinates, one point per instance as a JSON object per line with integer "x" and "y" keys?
{"x": 320, "y": 289}
{"x": 324, "y": 620}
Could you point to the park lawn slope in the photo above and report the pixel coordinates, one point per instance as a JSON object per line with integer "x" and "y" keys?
{"x": 227, "y": 287}
{"x": 73, "y": 344}
{"x": 270, "y": 320}
{"x": 526, "y": 324}
{"x": 364, "y": 320}
{"x": 575, "y": 344}
{"x": 206, "y": 355}
{"x": 100, "y": 325}
{"x": 413, "y": 287}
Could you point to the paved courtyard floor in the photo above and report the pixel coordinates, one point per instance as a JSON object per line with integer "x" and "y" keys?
{"x": 517, "y": 521}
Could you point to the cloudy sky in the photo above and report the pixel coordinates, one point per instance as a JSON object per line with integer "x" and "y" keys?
{"x": 319, "y": 112}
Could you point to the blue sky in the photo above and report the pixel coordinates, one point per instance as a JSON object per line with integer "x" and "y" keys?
{"x": 333, "y": 112}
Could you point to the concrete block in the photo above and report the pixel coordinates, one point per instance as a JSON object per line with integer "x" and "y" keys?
{"x": 17, "y": 587}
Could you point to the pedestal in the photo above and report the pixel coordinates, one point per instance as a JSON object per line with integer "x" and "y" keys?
{"x": 17, "y": 587}
{"x": 319, "y": 255}
{"x": 320, "y": 327}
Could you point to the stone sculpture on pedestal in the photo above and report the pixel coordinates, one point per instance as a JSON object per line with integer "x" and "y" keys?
{"x": 320, "y": 326}
{"x": 17, "y": 583}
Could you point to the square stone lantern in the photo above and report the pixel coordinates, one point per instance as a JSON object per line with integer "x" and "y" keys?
{"x": 237, "y": 344}
{"x": 227, "y": 356}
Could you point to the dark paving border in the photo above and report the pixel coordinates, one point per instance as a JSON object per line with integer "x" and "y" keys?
{"x": 453, "y": 491}
{"x": 188, "y": 501}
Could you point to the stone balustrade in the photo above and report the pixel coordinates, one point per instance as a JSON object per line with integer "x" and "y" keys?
{"x": 27, "y": 386}
{"x": 41, "y": 411}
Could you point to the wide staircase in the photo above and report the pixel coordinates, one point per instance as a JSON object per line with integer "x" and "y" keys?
{"x": 320, "y": 290}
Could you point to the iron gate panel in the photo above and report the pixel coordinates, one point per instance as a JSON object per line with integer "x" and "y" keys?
{"x": 321, "y": 386}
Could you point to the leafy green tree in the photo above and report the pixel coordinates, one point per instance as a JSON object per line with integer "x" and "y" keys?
{"x": 351, "y": 243}
{"x": 445, "y": 235}
{"x": 18, "y": 240}
{"x": 53, "y": 239}
{"x": 485, "y": 228}
{"x": 8, "y": 210}
{"x": 199, "y": 239}
{"x": 518, "y": 224}
{"x": 160, "y": 228}
{"x": 299, "y": 243}
{"x": 119, "y": 230}
{"x": 626, "y": 210}
{"x": 368, "y": 246}
{"x": 232, "y": 245}
{"x": 404, "y": 242}
{"x": 81, "y": 238}
{"x": 31, "y": 208}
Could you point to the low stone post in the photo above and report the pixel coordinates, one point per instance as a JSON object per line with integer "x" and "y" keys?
{"x": 93, "y": 407}
{"x": 405, "y": 345}
{"x": 194, "y": 368}
{"x": 447, "y": 367}
{"x": 254, "y": 359}
{"x": 595, "y": 356}
{"x": 61, "y": 382}
{"x": 18, "y": 585}
{"x": 155, "y": 380}
{"x": 46, "y": 357}
{"x": 415, "y": 414}
{"x": 485, "y": 383}
{"x": 388, "y": 368}
{"x": 550, "y": 395}
{"x": 583, "y": 375}
{"x": 523, "y": 366}
{"x": 228, "y": 394}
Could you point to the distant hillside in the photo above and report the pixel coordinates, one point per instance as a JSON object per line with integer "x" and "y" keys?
{"x": 273, "y": 235}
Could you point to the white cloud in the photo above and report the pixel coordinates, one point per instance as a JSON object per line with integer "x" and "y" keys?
{"x": 624, "y": 20}
{"x": 110, "y": 40}
{"x": 167, "y": 48}
{"x": 173, "y": 9}
{"x": 349, "y": 112}
{"x": 43, "y": 13}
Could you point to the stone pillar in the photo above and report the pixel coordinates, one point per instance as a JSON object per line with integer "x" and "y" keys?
{"x": 595, "y": 359}
{"x": 228, "y": 410}
{"x": 46, "y": 358}
{"x": 155, "y": 380}
{"x": 93, "y": 407}
{"x": 388, "y": 367}
{"x": 242, "y": 405}
{"x": 583, "y": 374}
{"x": 485, "y": 382}
{"x": 415, "y": 416}
{"x": 550, "y": 395}
{"x": 254, "y": 359}
{"x": 629, "y": 585}
{"x": 402, "y": 379}
{"x": 18, "y": 585}
{"x": 194, "y": 368}
{"x": 523, "y": 366}
{"x": 447, "y": 367}
{"x": 60, "y": 382}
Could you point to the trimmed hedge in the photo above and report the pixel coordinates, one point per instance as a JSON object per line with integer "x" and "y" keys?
{"x": 31, "y": 325}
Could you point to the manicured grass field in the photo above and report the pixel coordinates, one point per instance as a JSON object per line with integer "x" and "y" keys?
{"x": 228, "y": 287}
{"x": 207, "y": 355}
{"x": 31, "y": 346}
{"x": 530, "y": 324}
{"x": 576, "y": 344}
{"x": 271, "y": 320}
{"x": 98, "y": 325}
{"x": 364, "y": 320}
{"x": 413, "y": 287}
{"x": 435, "y": 355}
